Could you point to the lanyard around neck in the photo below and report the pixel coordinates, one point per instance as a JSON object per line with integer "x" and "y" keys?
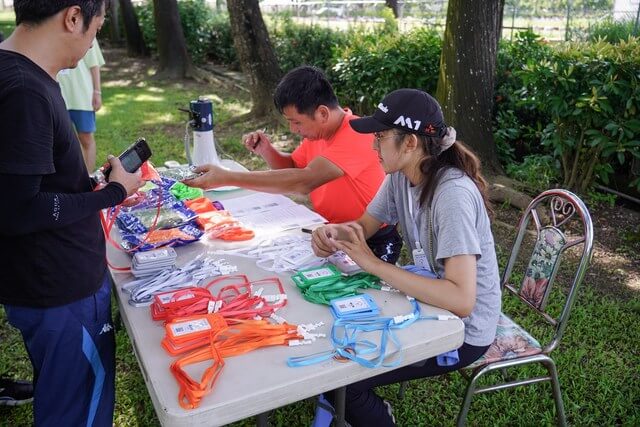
{"x": 414, "y": 216}
{"x": 416, "y": 234}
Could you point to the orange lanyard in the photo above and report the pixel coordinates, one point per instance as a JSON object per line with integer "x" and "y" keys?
{"x": 240, "y": 338}
{"x": 191, "y": 391}
{"x": 221, "y": 225}
{"x": 187, "y": 333}
{"x": 249, "y": 335}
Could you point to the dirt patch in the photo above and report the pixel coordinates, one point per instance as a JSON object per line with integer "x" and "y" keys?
{"x": 615, "y": 265}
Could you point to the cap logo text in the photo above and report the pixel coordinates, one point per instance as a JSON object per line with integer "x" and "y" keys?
{"x": 383, "y": 108}
{"x": 408, "y": 123}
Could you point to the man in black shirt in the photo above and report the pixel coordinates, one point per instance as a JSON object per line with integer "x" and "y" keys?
{"x": 55, "y": 285}
{"x": 12, "y": 392}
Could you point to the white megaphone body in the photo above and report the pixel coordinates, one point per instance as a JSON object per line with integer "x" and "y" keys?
{"x": 204, "y": 146}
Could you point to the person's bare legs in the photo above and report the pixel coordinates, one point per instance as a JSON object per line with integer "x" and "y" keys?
{"x": 88, "y": 145}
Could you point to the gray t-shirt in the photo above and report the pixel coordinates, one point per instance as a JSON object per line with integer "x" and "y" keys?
{"x": 460, "y": 227}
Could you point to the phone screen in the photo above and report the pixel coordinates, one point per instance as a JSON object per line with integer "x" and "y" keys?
{"x": 131, "y": 162}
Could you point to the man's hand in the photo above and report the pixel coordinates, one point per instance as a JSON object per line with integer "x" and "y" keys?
{"x": 211, "y": 177}
{"x": 130, "y": 181}
{"x": 257, "y": 142}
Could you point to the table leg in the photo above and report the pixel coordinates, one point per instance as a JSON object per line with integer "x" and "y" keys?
{"x": 262, "y": 420}
{"x": 340, "y": 397}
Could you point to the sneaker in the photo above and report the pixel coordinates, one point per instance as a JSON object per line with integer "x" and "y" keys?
{"x": 389, "y": 410}
{"x": 13, "y": 393}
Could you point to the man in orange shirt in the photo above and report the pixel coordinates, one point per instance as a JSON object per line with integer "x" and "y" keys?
{"x": 334, "y": 165}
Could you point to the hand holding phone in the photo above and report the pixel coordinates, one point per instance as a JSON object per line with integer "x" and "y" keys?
{"x": 131, "y": 158}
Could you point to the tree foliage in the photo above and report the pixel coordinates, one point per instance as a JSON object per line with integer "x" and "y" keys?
{"x": 591, "y": 94}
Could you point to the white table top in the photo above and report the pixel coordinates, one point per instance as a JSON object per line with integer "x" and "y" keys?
{"x": 259, "y": 381}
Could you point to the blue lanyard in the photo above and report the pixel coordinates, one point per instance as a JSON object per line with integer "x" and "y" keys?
{"x": 348, "y": 345}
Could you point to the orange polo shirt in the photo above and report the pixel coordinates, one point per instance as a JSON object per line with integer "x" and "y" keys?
{"x": 345, "y": 198}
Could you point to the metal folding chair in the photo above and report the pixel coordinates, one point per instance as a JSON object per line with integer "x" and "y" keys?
{"x": 561, "y": 221}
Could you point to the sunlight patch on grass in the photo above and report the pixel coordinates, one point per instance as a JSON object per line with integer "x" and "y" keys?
{"x": 117, "y": 83}
{"x": 148, "y": 98}
{"x": 8, "y": 15}
{"x": 237, "y": 109}
{"x": 214, "y": 98}
{"x": 153, "y": 118}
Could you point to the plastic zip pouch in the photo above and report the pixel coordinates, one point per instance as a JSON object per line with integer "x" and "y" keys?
{"x": 157, "y": 238}
{"x": 168, "y": 216}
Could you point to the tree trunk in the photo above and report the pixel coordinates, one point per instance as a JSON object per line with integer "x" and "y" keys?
{"x": 393, "y": 5}
{"x": 115, "y": 35}
{"x": 255, "y": 53}
{"x": 174, "y": 60}
{"x": 132, "y": 34}
{"x": 467, "y": 73}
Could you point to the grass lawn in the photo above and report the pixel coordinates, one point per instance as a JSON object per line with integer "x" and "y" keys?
{"x": 598, "y": 360}
{"x": 7, "y": 22}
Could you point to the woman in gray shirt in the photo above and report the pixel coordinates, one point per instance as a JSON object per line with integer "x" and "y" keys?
{"x": 435, "y": 191}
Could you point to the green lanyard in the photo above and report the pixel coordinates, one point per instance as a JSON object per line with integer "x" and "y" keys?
{"x": 182, "y": 191}
{"x": 321, "y": 285}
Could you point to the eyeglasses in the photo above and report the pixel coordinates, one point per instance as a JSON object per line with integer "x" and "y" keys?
{"x": 379, "y": 136}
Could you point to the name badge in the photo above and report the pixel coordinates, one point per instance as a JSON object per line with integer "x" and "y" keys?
{"x": 420, "y": 258}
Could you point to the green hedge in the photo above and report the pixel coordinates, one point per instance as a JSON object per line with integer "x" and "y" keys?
{"x": 221, "y": 49}
{"x": 591, "y": 94}
{"x": 296, "y": 45}
{"x": 556, "y": 103}
{"x": 517, "y": 127}
{"x": 376, "y": 63}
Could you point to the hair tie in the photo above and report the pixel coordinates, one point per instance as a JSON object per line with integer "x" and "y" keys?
{"x": 448, "y": 139}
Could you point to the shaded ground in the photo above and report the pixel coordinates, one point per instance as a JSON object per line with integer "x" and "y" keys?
{"x": 615, "y": 266}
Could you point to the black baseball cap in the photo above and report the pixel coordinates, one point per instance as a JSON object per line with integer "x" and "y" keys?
{"x": 411, "y": 110}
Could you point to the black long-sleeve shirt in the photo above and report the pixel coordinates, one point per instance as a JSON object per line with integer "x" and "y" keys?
{"x": 52, "y": 249}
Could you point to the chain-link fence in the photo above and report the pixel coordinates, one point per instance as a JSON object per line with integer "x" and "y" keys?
{"x": 555, "y": 20}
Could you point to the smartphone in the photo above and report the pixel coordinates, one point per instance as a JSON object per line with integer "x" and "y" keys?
{"x": 132, "y": 158}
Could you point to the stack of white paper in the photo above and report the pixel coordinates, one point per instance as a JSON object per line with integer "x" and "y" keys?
{"x": 271, "y": 212}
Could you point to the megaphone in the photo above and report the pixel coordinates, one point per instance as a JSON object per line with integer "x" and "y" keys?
{"x": 204, "y": 146}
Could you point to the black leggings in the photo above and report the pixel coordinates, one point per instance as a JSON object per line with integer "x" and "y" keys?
{"x": 365, "y": 408}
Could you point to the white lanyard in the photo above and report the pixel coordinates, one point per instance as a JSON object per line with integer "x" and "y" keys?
{"x": 414, "y": 219}
{"x": 420, "y": 259}
{"x": 282, "y": 254}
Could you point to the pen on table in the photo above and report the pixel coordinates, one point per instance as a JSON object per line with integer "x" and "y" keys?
{"x": 306, "y": 230}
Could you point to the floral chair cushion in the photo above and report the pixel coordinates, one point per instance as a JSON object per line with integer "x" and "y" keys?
{"x": 511, "y": 342}
{"x": 546, "y": 254}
